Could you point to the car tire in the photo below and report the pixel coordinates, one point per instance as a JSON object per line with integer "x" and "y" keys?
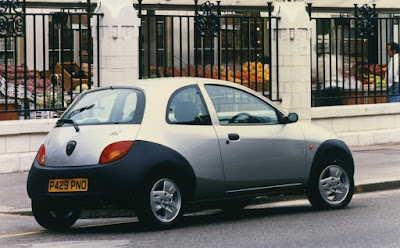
{"x": 54, "y": 216}
{"x": 161, "y": 202}
{"x": 331, "y": 185}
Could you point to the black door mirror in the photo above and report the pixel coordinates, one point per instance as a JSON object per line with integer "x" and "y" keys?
{"x": 291, "y": 118}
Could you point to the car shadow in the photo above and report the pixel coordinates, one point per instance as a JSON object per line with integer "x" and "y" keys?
{"x": 206, "y": 217}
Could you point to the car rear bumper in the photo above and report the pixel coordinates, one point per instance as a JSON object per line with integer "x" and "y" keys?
{"x": 117, "y": 182}
{"x": 112, "y": 183}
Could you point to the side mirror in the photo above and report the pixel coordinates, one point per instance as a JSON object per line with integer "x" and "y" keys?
{"x": 291, "y": 118}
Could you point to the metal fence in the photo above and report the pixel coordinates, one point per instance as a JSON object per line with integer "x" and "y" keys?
{"x": 45, "y": 59}
{"x": 210, "y": 43}
{"x": 349, "y": 57}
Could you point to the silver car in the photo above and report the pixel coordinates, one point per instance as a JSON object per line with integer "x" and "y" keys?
{"x": 161, "y": 145}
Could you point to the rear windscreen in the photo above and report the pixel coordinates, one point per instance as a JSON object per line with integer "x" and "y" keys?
{"x": 107, "y": 106}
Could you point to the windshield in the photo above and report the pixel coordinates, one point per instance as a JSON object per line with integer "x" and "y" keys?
{"x": 107, "y": 106}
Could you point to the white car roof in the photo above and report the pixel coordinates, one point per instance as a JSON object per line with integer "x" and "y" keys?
{"x": 162, "y": 88}
{"x": 172, "y": 82}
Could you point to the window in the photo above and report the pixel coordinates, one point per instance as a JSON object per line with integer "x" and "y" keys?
{"x": 69, "y": 39}
{"x": 108, "y": 106}
{"x": 61, "y": 44}
{"x": 7, "y": 51}
{"x": 239, "y": 107}
{"x": 186, "y": 106}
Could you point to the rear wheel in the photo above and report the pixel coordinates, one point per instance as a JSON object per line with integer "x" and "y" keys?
{"x": 331, "y": 186}
{"x": 54, "y": 216}
{"x": 161, "y": 202}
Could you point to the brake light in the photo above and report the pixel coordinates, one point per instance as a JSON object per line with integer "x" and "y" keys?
{"x": 41, "y": 157}
{"x": 115, "y": 151}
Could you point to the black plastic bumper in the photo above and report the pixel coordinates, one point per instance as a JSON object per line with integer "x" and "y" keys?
{"x": 113, "y": 183}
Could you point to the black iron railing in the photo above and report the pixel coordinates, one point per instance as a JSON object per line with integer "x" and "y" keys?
{"x": 45, "y": 59}
{"x": 210, "y": 44}
{"x": 349, "y": 57}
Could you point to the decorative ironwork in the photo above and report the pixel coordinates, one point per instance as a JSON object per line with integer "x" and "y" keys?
{"x": 208, "y": 22}
{"x": 366, "y": 21}
{"x": 18, "y": 25}
{"x": 12, "y": 18}
{"x": 17, "y": 6}
{"x": 3, "y": 25}
{"x": 4, "y": 5}
{"x": 10, "y": 6}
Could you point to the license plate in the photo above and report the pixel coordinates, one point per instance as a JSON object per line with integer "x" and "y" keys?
{"x": 68, "y": 185}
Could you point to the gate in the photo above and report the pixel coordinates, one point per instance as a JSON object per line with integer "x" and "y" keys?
{"x": 349, "y": 56}
{"x": 45, "y": 58}
{"x": 211, "y": 43}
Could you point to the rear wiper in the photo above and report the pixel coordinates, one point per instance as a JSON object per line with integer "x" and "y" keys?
{"x": 60, "y": 122}
{"x": 77, "y": 111}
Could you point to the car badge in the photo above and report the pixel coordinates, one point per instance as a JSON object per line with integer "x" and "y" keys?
{"x": 71, "y": 147}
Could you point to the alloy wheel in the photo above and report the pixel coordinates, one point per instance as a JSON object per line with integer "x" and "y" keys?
{"x": 334, "y": 184}
{"x": 165, "y": 200}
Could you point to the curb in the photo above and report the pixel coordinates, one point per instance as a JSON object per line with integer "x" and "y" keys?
{"x": 365, "y": 188}
{"x": 358, "y": 189}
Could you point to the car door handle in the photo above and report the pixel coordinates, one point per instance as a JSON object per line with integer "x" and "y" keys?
{"x": 233, "y": 136}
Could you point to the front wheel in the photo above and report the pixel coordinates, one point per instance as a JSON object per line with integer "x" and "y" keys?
{"x": 54, "y": 216}
{"x": 161, "y": 203}
{"x": 331, "y": 186}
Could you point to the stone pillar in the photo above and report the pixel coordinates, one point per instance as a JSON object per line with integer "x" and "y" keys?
{"x": 293, "y": 37}
{"x": 119, "y": 42}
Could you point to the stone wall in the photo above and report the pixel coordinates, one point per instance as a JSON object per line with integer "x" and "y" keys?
{"x": 19, "y": 142}
{"x": 361, "y": 125}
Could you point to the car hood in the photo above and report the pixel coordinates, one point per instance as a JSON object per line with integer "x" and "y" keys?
{"x": 90, "y": 142}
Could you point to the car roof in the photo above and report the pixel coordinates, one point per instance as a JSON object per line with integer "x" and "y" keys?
{"x": 172, "y": 82}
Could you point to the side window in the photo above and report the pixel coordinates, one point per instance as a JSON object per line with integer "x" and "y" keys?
{"x": 234, "y": 106}
{"x": 186, "y": 106}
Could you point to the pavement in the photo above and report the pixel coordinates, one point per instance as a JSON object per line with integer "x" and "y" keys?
{"x": 376, "y": 168}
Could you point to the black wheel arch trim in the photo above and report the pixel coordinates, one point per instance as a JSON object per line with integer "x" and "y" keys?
{"x": 161, "y": 158}
{"x": 333, "y": 147}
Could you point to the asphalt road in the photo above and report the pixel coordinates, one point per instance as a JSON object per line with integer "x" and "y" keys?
{"x": 371, "y": 220}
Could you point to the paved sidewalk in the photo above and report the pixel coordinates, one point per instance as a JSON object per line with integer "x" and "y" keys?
{"x": 377, "y": 168}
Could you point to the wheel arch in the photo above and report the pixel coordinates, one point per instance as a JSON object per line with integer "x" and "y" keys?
{"x": 331, "y": 149}
{"x": 164, "y": 160}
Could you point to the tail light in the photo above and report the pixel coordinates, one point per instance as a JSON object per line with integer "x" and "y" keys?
{"x": 115, "y": 151}
{"x": 41, "y": 157}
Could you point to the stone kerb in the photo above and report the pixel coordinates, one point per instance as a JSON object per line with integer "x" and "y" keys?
{"x": 119, "y": 41}
{"x": 293, "y": 34}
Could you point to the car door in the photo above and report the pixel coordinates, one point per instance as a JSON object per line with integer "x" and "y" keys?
{"x": 189, "y": 131}
{"x": 256, "y": 150}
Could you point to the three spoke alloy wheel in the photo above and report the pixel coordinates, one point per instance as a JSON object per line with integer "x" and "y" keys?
{"x": 331, "y": 186}
{"x": 161, "y": 202}
{"x": 334, "y": 184}
{"x": 165, "y": 200}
